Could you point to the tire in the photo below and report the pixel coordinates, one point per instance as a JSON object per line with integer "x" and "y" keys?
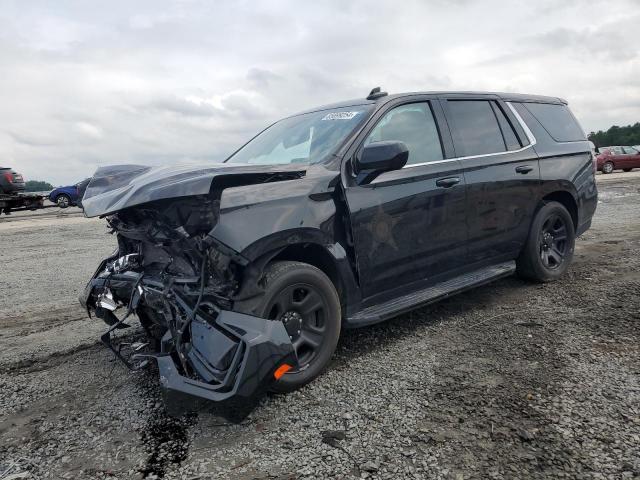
{"x": 63, "y": 201}
{"x": 607, "y": 167}
{"x": 548, "y": 250}
{"x": 627, "y": 169}
{"x": 287, "y": 287}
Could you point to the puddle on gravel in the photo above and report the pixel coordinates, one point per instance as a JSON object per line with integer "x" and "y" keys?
{"x": 167, "y": 442}
{"x": 613, "y": 194}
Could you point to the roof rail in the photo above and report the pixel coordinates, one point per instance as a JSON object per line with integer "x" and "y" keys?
{"x": 376, "y": 93}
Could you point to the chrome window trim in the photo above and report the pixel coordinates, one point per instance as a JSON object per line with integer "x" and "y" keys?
{"x": 430, "y": 163}
{"x": 525, "y": 127}
{"x": 523, "y": 124}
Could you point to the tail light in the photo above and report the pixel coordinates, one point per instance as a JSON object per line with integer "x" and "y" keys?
{"x": 8, "y": 176}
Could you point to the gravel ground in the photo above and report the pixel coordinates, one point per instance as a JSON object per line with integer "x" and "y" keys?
{"x": 511, "y": 380}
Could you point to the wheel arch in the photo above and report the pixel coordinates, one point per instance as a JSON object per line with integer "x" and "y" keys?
{"x": 567, "y": 200}
{"x": 311, "y": 247}
{"x": 317, "y": 256}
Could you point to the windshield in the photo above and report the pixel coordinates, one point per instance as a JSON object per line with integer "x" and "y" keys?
{"x": 307, "y": 138}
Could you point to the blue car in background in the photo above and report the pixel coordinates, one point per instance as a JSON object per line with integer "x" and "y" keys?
{"x": 69, "y": 196}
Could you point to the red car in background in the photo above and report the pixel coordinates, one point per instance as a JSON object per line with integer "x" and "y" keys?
{"x": 618, "y": 158}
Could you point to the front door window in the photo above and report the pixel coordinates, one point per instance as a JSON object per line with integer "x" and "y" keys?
{"x": 414, "y": 125}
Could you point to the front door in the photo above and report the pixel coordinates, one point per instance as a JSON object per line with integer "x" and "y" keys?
{"x": 409, "y": 225}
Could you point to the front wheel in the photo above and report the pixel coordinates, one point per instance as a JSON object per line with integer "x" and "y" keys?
{"x": 304, "y": 299}
{"x": 63, "y": 201}
{"x": 549, "y": 247}
{"x": 607, "y": 167}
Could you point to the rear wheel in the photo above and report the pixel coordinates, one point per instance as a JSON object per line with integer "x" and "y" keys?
{"x": 304, "y": 299}
{"x": 627, "y": 169}
{"x": 607, "y": 167}
{"x": 549, "y": 248}
{"x": 63, "y": 201}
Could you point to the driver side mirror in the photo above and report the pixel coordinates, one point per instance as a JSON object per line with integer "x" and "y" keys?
{"x": 380, "y": 157}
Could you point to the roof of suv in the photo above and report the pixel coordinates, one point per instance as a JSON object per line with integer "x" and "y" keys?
{"x": 507, "y": 97}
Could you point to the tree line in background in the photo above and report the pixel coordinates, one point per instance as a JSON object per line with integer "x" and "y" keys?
{"x": 629, "y": 135}
{"x": 37, "y": 186}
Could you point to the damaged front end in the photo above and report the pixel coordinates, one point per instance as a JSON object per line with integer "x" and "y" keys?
{"x": 179, "y": 281}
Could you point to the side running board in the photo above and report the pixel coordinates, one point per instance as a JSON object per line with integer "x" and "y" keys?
{"x": 396, "y": 306}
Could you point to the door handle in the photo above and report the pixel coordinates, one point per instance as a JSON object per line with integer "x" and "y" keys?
{"x": 447, "y": 182}
{"x": 524, "y": 169}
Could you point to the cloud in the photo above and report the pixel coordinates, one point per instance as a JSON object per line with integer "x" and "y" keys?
{"x": 159, "y": 82}
{"x": 33, "y": 139}
{"x": 89, "y": 131}
{"x": 260, "y": 78}
{"x": 188, "y": 107}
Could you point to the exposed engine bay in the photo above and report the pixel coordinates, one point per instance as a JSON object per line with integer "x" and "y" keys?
{"x": 180, "y": 282}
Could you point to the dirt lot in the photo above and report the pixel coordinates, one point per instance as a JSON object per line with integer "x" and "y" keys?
{"x": 512, "y": 380}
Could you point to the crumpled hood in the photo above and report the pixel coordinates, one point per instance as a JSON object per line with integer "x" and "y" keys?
{"x": 121, "y": 186}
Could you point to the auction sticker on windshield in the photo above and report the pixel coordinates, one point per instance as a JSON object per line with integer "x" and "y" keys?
{"x": 340, "y": 116}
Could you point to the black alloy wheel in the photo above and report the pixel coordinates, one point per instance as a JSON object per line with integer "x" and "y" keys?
{"x": 548, "y": 251}
{"x": 305, "y": 300}
{"x": 303, "y": 311}
{"x": 553, "y": 241}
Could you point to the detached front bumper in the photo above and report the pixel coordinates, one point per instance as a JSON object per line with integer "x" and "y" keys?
{"x": 226, "y": 357}
{"x": 254, "y": 347}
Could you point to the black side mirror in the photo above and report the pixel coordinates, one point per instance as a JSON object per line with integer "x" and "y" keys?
{"x": 379, "y": 157}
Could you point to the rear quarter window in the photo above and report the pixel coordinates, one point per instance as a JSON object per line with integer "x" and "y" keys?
{"x": 558, "y": 121}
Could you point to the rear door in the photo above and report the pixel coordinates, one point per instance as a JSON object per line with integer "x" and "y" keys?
{"x": 409, "y": 225}
{"x": 501, "y": 171}
{"x": 631, "y": 158}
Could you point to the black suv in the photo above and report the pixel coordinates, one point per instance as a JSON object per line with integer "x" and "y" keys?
{"x": 244, "y": 273}
{"x": 11, "y": 182}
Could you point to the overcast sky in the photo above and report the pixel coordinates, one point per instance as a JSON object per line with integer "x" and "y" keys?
{"x": 84, "y": 84}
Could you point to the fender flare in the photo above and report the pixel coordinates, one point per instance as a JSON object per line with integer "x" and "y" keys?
{"x": 261, "y": 252}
